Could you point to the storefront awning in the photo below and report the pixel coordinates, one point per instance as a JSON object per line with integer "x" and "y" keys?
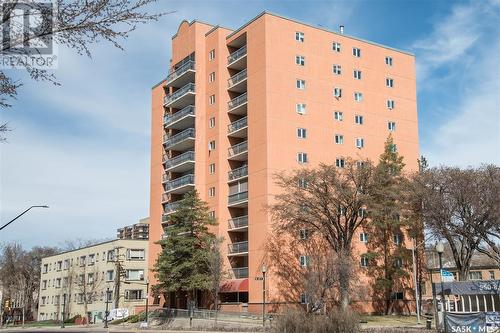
{"x": 234, "y": 286}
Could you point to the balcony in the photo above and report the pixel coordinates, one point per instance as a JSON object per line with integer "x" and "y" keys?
{"x": 238, "y": 128}
{"x": 180, "y": 98}
{"x": 238, "y": 105}
{"x": 240, "y": 272}
{"x": 238, "y": 200}
{"x": 238, "y": 59}
{"x": 238, "y": 152}
{"x": 238, "y": 82}
{"x": 182, "y": 75}
{"x": 169, "y": 209}
{"x": 240, "y": 248}
{"x": 180, "y": 141}
{"x": 238, "y": 223}
{"x": 181, "y": 163}
{"x": 180, "y": 185}
{"x": 238, "y": 173}
{"x": 181, "y": 119}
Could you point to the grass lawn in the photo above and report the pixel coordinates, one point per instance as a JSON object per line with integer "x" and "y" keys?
{"x": 391, "y": 321}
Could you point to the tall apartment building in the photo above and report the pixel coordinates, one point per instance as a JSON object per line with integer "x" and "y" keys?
{"x": 69, "y": 280}
{"x": 138, "y": 230}
{"x": 275, "y": 94}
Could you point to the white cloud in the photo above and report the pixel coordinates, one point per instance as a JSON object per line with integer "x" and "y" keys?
{"x": 470, "y": 132}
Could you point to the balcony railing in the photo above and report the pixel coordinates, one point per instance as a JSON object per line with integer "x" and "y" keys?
{"x": 237, "y": 149}
{"x": 240, "y": 247}
{"x": 236, "y": 125}
{"x": 181, "y": 70}
{"x": 237, "y": 78}
{"x": 235, "y": 102}
{"x": 169, "y": 209}
{"x": 179, "y": 182}
{"x": 187, "y": 111}
{"x": 237, "y": 197}
{"x": 174, "y": 139}
{"x": 238, "y": 173}
{"x": 184, "y": 157}
{"x": 238, "y": 222}
{"x": 178, "y": 93}
{"x": 240, "y": 272}
{"x": 242, "y": 51}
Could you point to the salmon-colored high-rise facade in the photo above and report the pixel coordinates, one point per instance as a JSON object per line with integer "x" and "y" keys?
{"x": 276, "y": 94}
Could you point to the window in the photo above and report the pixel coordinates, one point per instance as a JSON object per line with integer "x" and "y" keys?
{"x": 111, "y": 255}
{"x": 398, "y": 295}
{"x": 211, "y": 55}
{"x": 211, "y": 145}
{"x": 91, "y": 259}
{"x": 45, "y": 268}
{"x": 211, "y": 192}
{"x": 303, "y": 234}
{"x": 301, "y": 133}
{"x": 59, "y": 265}
{"x": 211, "y": 100}
{"x": 389, "y": 82}
{"x": 90, "y": 278}
{"x": 58, "y": 283}
{"x": 390, "y": 104}
{"x": 303, "y": 299}
{"x": 391, "y": 126}
{"x": 397, "y": 239}
{"x": 356, "y": 52}
{"x": 475, "y": 275}
{"x": 362, "y": 212}
{"x": 135, "y": 254}
{"x": 302, "y": 157}
{"x": 358, "y": 119}
{"x": 301, "y": 108}
{"x": 211, "y": 77}
{"x": 360, "y": 143}
{"x": 304, "y": 261}
{"x": 336, "y": 46}
{"x": 300, "y": 60}
{"x": 302, "y": 183}
{"x": 82, "y": 260}
{"x": 358, "y": 97}
{"x": 110, "y": 275}
{"x": 388, "y": 61}
{"x": 211, "y": 214}
{"x": 133, "y": 295}
{"x": 301, "y": 84}
{"x": 337, "y": 115}
{"x": 211, "y": 122}
{"x": 360, "y": 164}
{"x": 109, "y": 296}
{"x": 299, "y": 36}
{"x": 134, "y": 274}
{"x": 339, "y": 139}
{"x": 363, "y": 237}
{"x": 364, "y": 262}
{"x": 394, "y": 148}
{"x": 357, "y": 74}
{"x": 44, "y": 300}
{"x": 398, "y": 262}
{"x": 337, "y": 92}
{"x": 492, "y": 275}
{"x": 211, "y": 168}
{"x": 44, "y": 284}
{"x": 337, "y": 69}
{"x": 339, "y": 162}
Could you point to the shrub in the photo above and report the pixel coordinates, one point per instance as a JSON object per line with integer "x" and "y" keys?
{"x": 72, "y": 319}
{"x": 337, "y": 321}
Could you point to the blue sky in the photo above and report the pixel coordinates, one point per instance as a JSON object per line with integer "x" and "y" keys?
{"x": 83, "y": 147}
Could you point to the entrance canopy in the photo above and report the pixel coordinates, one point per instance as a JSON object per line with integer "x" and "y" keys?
{"x": 234, "y": 286}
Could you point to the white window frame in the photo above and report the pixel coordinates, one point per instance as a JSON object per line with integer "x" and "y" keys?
{"x": 389, "y": 82}
{"x": 359, "y": 119}
{"x": 388, "y": 61}
{"x": 360, "y": 143}
{"x": 303, "y": 234}
{"x": 211, "y": 77}
{"x": 339, "y": 139}
{"x": 211, "y": 55}
{"x": 364, "y": 261}
{"x": 211, "y": 122}
{"x": 390, "y": 104}
{"x": 211, "y": 145}
{"x": 337, "y": 69}
{"x": 300, "y": 84}
{"x": 336, "y": 46}
{"x": 340, "y": 162}
{"x": 211, "y": 191}
{"x": 363, "y": 237}
{"x": 300, "y": 60}
{"x": 357, "y": 74}
{"x": 299, "y": 36}
{"x": 358, "y": 96}
{"x": 211, "y": 168}
{"x": 304, "y": 261}
{"x": 301, "y": 133}
{"x": 211, "y": 100}
{"x": 302, "y": 157}
{"x": 301, "y": 108}
{"x": 356, "y": 52}
{"x": 338, "y": 115}
{"x": 391, "y": 126}
{"x": 337, "y": 92}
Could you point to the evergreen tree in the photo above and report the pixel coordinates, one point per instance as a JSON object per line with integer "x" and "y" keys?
{"x": 388, "y": 257}
{"x": 182, "y": 266}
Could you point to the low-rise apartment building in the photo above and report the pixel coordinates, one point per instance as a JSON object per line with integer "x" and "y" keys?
{"x": 138, "y": 230}
{"x": 78, "y": 282}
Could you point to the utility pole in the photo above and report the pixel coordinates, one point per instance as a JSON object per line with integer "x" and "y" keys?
{"x": 264, "y": 270}
{"x": 106, "y": 313}
{"x": 119, "y": 272}
{"x": 63, "y": 310}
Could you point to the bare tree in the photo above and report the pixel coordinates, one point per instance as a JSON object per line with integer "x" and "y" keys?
{"x": 88, "y": 282}
{"x": 76, "y": 24}
{"x": 461, "y": 206}
{"x": 328, "y": 201}
{"x": 215, "y": 264}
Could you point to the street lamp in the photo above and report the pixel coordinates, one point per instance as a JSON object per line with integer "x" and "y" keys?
{"x": 440, "y": 250}
{"x": 147, "y": 295}
{"x": 264, "y": 270}
{"x": 18, "y": 216}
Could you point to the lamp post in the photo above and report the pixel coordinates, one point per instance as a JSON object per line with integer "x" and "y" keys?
{"x": 440, "y": 250}
{"x": 264, "y": 270}
{"x": 106, "y": 313}
{"x": 63, "y": 310}
{"x": 18, "y": 216}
